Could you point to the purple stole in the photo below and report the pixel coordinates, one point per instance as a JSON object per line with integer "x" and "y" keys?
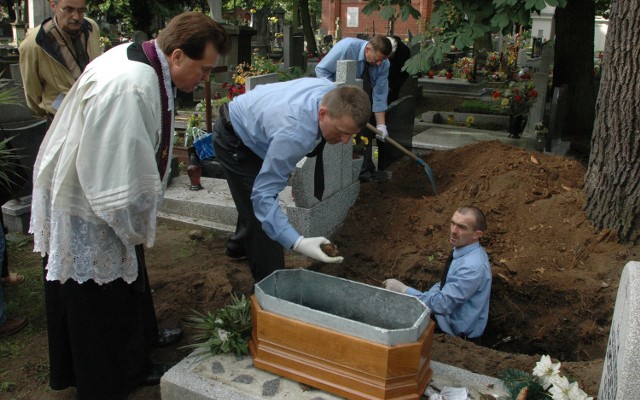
{"x": 162, "y": 156}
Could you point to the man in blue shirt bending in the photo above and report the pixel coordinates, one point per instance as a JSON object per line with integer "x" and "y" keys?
{"x": 373, "y": 67}
{"x": 460, "y": 302}
{"x": 259, "y": 139}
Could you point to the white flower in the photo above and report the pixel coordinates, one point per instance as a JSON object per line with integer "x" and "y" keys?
{"x": 223, "y": 335}
{"x": 560, "y": 389}
{"x": 575, "y": 393}
{"x": 219, "y": 321}
{"x": 547, "y": 371}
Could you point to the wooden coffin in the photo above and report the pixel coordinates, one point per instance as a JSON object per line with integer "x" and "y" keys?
{"x": 339, "y": 363}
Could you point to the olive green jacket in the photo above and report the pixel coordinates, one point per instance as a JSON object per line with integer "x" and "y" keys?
{"x": 44, "y": 73}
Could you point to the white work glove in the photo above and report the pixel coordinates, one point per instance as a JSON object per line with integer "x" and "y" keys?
{"x": 310, "y": 247}
{"x": 395, "y": 285}
{"x": 383, "y": 132}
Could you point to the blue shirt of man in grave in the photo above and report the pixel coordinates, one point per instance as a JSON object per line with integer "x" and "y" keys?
{"x": 461, "y": 308}
{"x": 354, "y": 49}
{"x": 460, "y": 301}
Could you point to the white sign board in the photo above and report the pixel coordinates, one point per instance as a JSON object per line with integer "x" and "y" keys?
{"x": 352, "y": 17}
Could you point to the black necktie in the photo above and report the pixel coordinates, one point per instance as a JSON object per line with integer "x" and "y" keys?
{"x": 443, "y": 279}
{"x": 318, "y": 173}
{"x": 366, "y": 80}
{"x": 81, "y": 56}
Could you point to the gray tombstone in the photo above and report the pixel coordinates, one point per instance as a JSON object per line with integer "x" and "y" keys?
{"x": 139, "y": 37}
{"x": 621, "y": 370}
{"x": 556, "y": 118}
{"x": 27, "y": 132}
{"x": 293, "y": 49}
{"x": 254, "y": 81}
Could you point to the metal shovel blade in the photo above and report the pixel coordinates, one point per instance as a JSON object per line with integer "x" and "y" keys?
{"x": 427, "y": 168}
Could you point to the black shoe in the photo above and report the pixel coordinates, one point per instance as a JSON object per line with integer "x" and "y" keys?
{"x": 168, "y": 336}
{"x": 153, "y": 377}
{"x": 235, "y": 252}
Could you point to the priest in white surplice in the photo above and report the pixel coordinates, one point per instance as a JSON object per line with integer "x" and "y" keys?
{"x": 98, "y": 182}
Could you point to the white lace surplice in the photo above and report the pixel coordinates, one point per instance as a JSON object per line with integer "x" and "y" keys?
{"x": 96, "y": 185}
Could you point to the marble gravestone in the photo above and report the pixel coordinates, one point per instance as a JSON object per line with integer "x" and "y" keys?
{"x": 621, "y": 370}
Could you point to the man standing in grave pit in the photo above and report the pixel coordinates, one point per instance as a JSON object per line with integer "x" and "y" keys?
{"x": 373, "y": 68}
{"x": 98, "y": 182}
{"x": 459, "y": 303}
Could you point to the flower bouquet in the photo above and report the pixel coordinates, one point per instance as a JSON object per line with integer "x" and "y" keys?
{"x": 226, "y": 330}
{"x": 545, "y": 383}
{"x": 517, "y": 99}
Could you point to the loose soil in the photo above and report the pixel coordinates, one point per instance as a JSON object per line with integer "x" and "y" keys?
{"x": 555, "y": 276}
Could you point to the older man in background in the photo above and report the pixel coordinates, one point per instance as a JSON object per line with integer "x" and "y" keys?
{"x": 55, "y": 53}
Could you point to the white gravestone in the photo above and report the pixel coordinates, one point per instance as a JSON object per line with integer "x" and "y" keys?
{"x": 621, "y": 370}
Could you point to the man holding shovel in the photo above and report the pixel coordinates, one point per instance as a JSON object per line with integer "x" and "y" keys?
{"x": 459, "y": 303}
{"x": 373, "y": 67}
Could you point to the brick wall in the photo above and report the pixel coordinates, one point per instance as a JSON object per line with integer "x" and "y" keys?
{"x": 368, "y": 24}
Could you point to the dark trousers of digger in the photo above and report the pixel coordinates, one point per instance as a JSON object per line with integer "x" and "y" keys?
{"x": 241, "y": 166}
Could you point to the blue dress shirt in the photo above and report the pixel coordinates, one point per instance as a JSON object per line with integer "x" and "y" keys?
{"x": 462, "y": 307}
{"x": 279, "y": 123}
{"x": 353, "y": 49}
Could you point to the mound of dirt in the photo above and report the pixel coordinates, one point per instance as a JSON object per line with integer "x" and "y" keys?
{"x": 555, "y": 276}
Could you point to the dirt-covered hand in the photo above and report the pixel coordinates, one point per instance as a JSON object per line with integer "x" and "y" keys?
{"x": 310, "y": 247}
{"x": 395, "y": 285}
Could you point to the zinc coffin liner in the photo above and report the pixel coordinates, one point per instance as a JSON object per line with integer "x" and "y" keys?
{"x": 347, "y": 338}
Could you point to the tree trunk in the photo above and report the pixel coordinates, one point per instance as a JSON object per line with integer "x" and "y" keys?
{"x": 141, "y": 16}
{"x": 612, "y": 183}
{"x": 573, "y": 65}
{"x": 312, "y": 48}
{"x": 295, "y": 16}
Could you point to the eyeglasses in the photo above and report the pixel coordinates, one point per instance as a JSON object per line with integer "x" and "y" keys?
{"x": 71, "y": 10}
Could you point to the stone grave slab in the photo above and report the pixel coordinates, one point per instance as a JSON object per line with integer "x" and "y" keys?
{"x": 621, "y": 370}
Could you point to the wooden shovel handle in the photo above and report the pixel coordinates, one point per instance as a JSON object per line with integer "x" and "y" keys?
{"x": 395, "y": 144}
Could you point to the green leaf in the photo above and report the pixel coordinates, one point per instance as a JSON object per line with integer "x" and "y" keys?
{"x": 370, "y": 8}
{"x": 387, "y": 12}
{"x": 500, "y": 21}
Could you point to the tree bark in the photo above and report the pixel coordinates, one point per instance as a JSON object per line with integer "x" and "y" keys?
{"x": 573, "y": 65}
{"x": 612, "y": 182}
{"x": 141, "y": 16}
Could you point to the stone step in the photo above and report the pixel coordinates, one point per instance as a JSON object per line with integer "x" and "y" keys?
{"x": 212, "y": 207}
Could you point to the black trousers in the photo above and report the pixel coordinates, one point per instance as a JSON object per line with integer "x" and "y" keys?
{"x": 241, "y": 166}
{"x": 100, "y": 336}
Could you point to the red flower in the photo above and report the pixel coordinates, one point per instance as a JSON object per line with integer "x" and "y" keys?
{"x": 496, "y": 95}
{"x": 517, "y": 98}
{"x": 533, "y": 93}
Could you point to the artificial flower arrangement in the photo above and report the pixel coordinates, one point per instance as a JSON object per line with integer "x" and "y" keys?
{"x": 226, "y": 330}
{"x": 517, "y": 98}
{"x": 492, "y": 63}
{"x": 545, "y": 383}
{"x": 497, "y": 76}
{"x": 463, "y": 68}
